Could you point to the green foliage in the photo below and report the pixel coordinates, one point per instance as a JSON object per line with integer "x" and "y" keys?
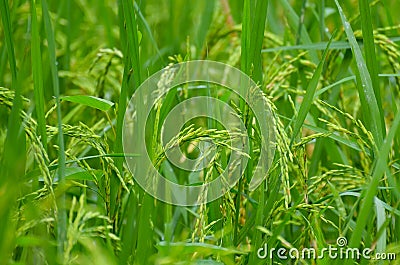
{"x": 68, "y": 69}
{"x": 94, "y": 102}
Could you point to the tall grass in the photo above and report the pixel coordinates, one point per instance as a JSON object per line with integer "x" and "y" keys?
{"x": 61, "y": 207}
{"x": 68, "y": 69}
{"x": 12, "y": 159}
{"x": 252, "y": 39}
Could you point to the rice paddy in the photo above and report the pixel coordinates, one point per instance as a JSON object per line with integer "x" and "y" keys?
{"x": 327, "y": 76}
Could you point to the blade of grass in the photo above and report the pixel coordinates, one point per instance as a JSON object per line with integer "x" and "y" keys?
{"x": 131, "y": 60}
{"x": 206, "y": 20}
{"x": 370, "y": 55}
{"x": 370, "y": 191}
{"x": 121, "y": 108}
{"x": 246, "y": 36}
{"x": 6, "y": 19}
{"x": 146, "y": 26}
{"x": 301, "y": 21}
{"x": 3, "y": 62}
{"x": 321, "y": 12}
{"x": 257, "y": 37}
{"x": 107, "y": 22}
{"x": 61, "y": 214}
{"x": 253, "y": 30}
{"x": 249, "y": 58}
{"x": 12, "y": 157}
{"x": 129, "y": 39}
{"x": 309, "y": 96}
{"x": 246, "y": 68}
{"x": 90, "y": 101}
{"x": 38, "y": 76}
{"x": 369, "y": 104}
{"x": 132, "y": 39}
{"x": 341, "y": 81}
{"x": 335, "y": 45}
{"x": 128, "y": 231}
{"x": 293, "y": 20}
{"x": 380, "y": 224}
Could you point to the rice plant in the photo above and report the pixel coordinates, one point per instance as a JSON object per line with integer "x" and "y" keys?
{"x": 327, "y": 73}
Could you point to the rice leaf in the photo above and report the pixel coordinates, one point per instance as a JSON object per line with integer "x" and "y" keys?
{"x": 38, "y": 76}
{"x": 369, "y": 103}
{"x": 372, "y": 187}
{"x": 12, "y": 159}
{"x": 51, "y": 49}
{"x": 309, "y": 96}
{"x": 370, "y": 55}
{"x": 94, "y": 102}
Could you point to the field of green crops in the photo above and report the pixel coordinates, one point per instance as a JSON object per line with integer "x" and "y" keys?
{"x": 327, "y": 70}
